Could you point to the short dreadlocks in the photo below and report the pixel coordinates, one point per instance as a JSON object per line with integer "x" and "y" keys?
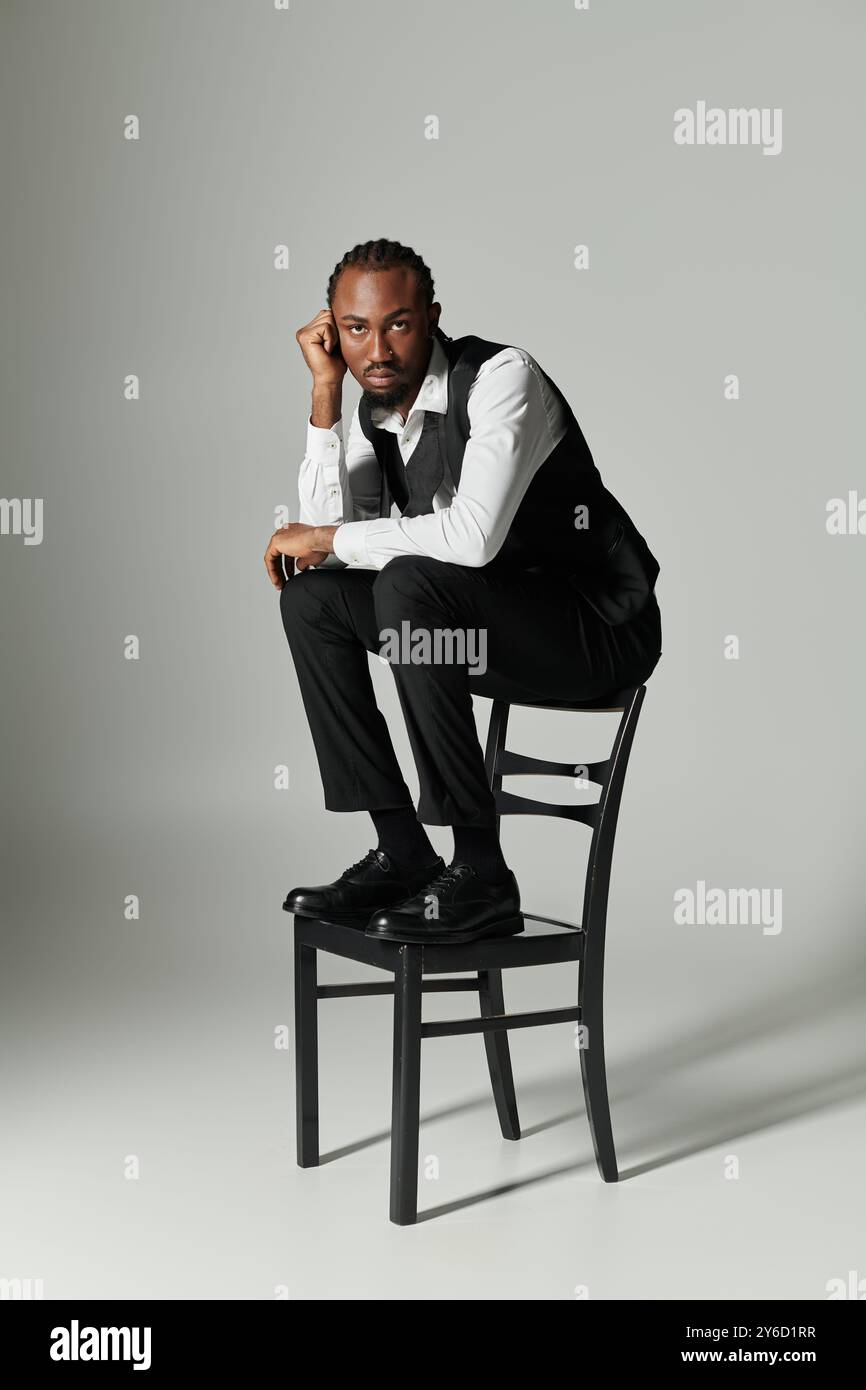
{"x": 385, "y": 255}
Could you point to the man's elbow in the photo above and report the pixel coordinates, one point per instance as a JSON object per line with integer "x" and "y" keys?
{"x": 474, "y": 554}
{"x": 474, "y": 545}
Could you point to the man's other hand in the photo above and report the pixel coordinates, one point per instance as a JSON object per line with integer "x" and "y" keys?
{"x": 296, "y": 541}
{"x": 311, "y": 557}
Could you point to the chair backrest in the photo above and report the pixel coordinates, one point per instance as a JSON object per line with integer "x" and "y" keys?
{"x": 608, "y": 775}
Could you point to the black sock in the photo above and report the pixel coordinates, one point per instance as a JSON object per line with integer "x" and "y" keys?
{"x": 403, "y": 837}
{"x": 479, "y": 846}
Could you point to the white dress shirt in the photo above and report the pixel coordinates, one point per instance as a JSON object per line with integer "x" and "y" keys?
{"x": 515, "y": 422}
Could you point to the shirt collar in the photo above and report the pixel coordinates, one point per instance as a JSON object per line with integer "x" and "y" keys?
{"x": 432, "y": 395}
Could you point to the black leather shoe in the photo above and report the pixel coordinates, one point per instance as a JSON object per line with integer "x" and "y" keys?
{"x": 467, "y": 910}
{"x": 373, "y": 882}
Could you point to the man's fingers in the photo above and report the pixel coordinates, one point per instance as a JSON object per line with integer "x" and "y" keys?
{"x": 274, "y": 567}
{"x": 310, "y": 557}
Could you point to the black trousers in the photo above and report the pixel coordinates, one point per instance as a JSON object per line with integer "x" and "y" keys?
{"x": 541, "y": 639}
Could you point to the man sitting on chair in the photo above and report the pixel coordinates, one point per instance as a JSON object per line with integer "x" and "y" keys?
{"x": 506, "y": 538}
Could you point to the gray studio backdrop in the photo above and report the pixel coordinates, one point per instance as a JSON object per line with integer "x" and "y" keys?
{"x": 710, "y": 343}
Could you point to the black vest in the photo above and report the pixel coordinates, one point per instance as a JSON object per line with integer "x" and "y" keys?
{"x": 604, "y": 554}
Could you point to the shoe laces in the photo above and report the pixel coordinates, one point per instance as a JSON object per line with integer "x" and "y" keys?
{"x": 449, "y": 876}
{"x": 361, "y": 863}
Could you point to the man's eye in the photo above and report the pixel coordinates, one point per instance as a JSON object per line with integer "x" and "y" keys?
{"x": 362, "y": 326}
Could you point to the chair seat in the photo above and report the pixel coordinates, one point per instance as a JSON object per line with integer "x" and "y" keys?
{"x": 615, "y": 700}
{"x": 543, "y": 941}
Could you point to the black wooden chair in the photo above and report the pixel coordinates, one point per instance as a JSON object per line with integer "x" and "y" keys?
{"x": 411, "y": 965}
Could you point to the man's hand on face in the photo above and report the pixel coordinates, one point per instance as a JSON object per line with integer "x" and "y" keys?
{"x": 319, "y": 342}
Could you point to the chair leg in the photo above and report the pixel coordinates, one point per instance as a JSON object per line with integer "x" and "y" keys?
{"x": 498, "y": 1054}
{"x": 406, "y": 1087}
{"x": 306, "y": 1055}
{"x": 594, "y": 1075}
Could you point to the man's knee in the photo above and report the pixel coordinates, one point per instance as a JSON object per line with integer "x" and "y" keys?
{"x": 301, "y": 598}
{"x": 407, "y": 580}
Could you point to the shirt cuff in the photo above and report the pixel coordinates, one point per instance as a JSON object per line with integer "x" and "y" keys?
{"x": 323, "y": 446}
{"x": 350, "y": 543}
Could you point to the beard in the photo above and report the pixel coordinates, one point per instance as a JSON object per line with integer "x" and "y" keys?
{"x": 389, "y": 398}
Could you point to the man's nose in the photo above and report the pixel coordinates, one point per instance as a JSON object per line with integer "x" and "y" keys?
{"x": 380, "y": 352}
